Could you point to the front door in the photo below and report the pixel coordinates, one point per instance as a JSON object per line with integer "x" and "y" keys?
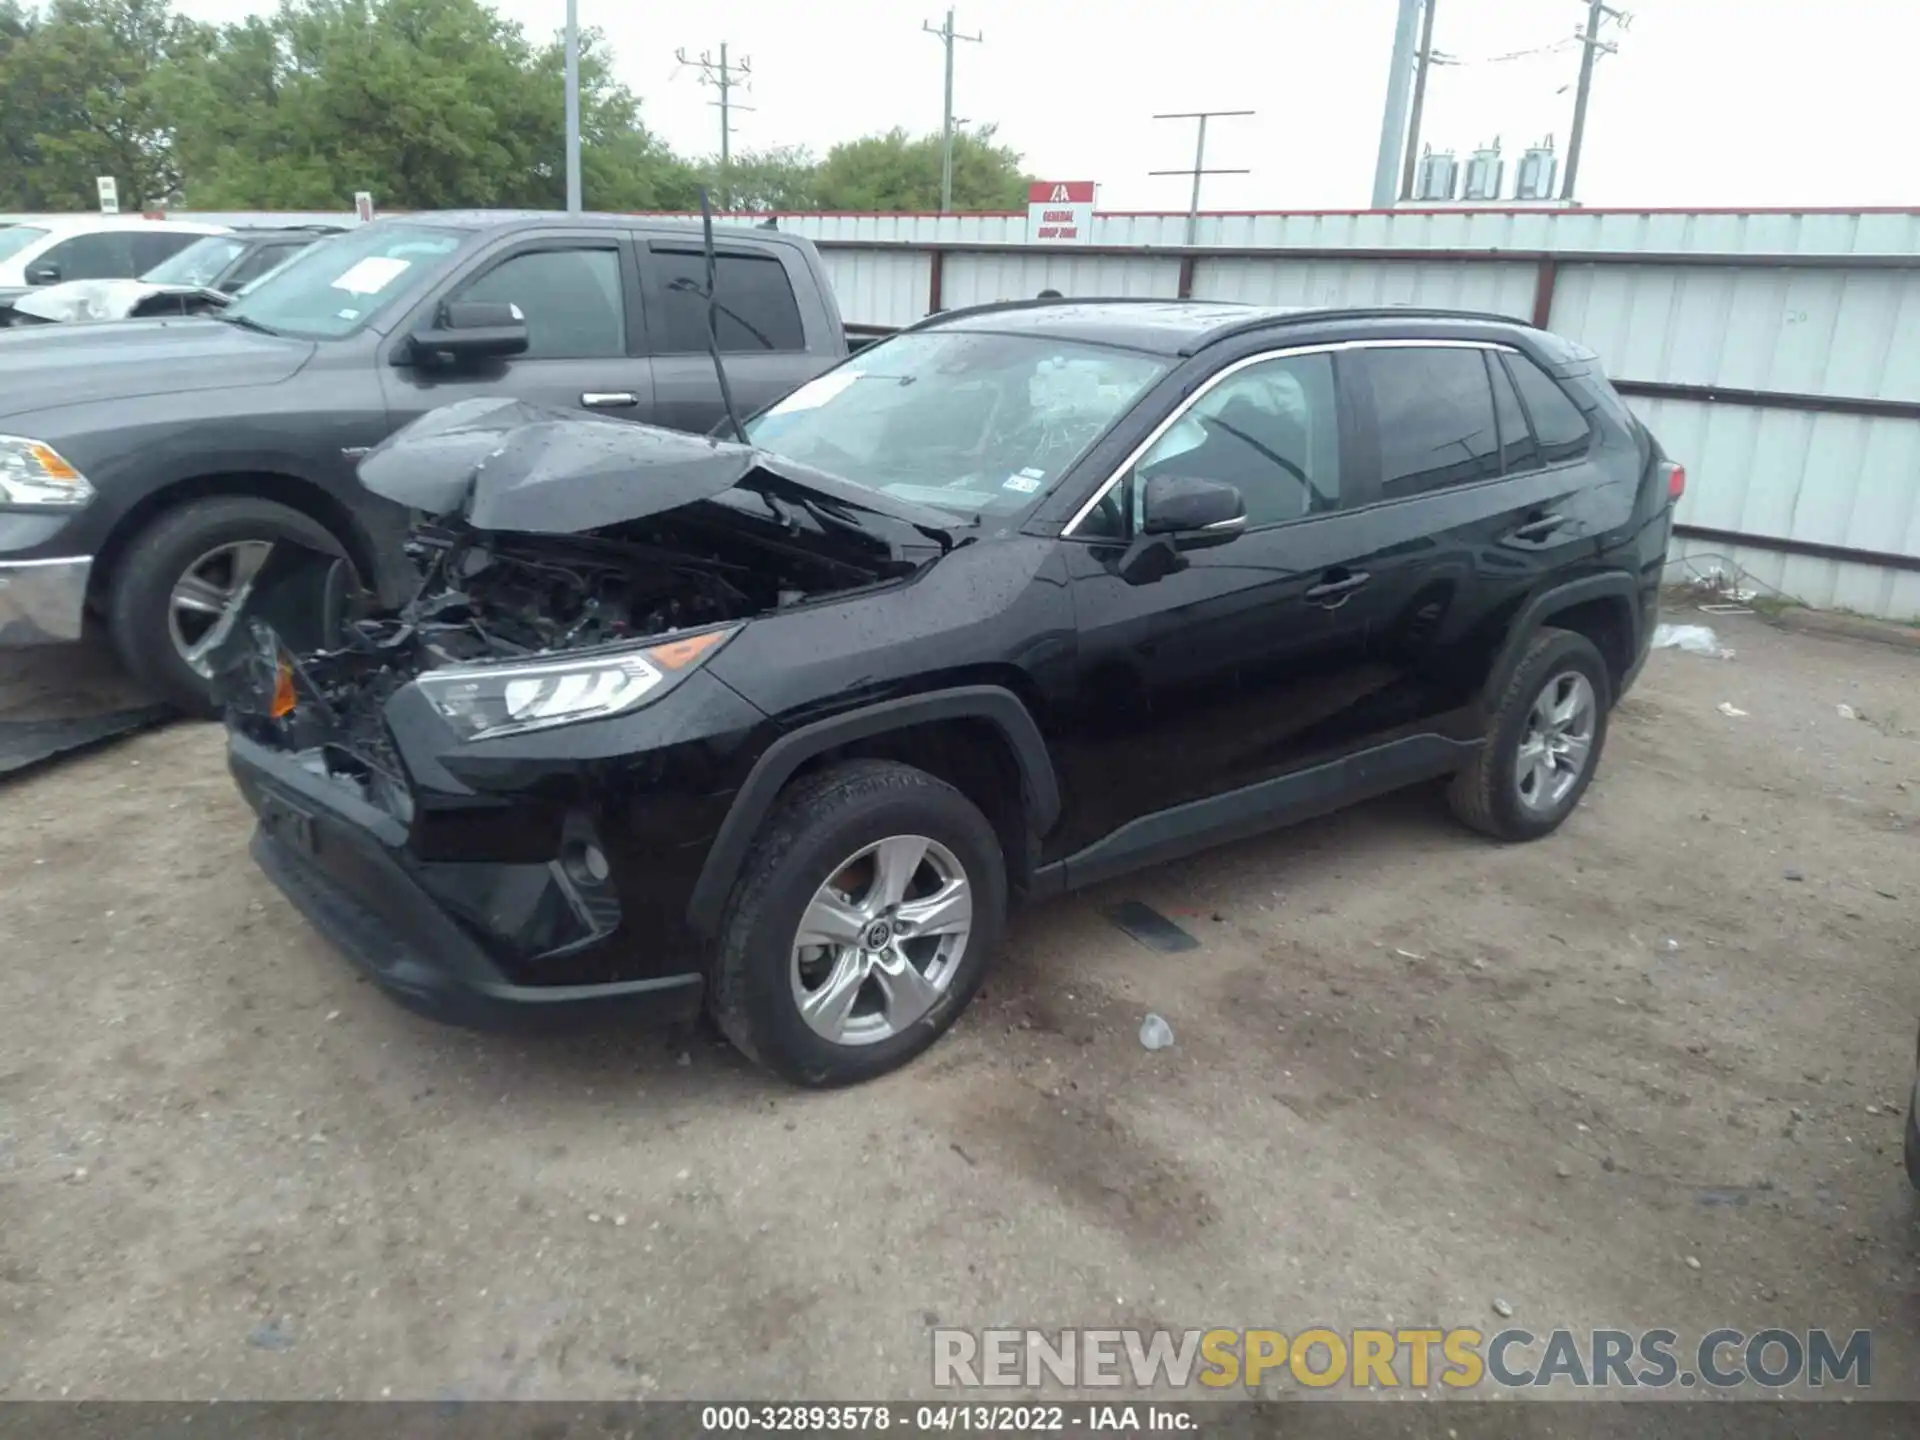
{"x": 1252, "y": 661}
{"x": 579, "y": 295}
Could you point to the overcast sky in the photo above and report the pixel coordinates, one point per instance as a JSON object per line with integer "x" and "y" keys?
{"x": 1706, "y": 103}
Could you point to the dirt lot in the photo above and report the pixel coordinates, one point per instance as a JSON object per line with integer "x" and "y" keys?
{"x": 1415, "y": 1072}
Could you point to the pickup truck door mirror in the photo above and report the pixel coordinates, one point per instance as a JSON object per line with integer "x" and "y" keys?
{"x": 472, "y": 330}
{"x": 43, "y": 274}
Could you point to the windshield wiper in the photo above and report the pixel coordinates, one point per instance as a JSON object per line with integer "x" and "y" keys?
{"x": 245, "y": 322}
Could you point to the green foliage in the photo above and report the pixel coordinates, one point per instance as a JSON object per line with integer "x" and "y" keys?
{"x": 896, "y": 171}
{"x": 426, "y": 103}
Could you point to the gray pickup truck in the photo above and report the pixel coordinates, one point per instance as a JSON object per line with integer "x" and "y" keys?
{"x": 147, "y": 468}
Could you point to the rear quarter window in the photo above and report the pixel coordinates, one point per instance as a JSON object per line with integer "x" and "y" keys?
{"x": 1558, "y": 425}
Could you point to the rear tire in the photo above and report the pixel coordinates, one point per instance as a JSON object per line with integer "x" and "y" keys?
{"x": 1521, "y": 785}
{"x": 204, "y": 536}
{"x": 821, "y": 862}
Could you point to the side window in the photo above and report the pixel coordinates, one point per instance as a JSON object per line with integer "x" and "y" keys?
{"x": 107, "y": 255}
{"x": 571, "y": 300}
{"x": 1271, "y": 430}
{"x": 152, "y": 246}
{"x": 1562, "y": 430}
{"x": 1518, "y": 451}
{"x": 1434, "y": 408}
{"x": 757, "y": 310}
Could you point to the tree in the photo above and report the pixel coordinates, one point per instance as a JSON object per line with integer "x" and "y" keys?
{"x": 780, "y": 178}
{"x": 86, "y": 90}
{"x": 896, "y": 171}
{"x": 427, "y": 103}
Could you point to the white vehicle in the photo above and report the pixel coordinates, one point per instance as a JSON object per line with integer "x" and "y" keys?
{"x": 49, "y": 250}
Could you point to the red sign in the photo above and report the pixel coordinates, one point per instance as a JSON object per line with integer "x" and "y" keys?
{"x": 1060, "y": 212}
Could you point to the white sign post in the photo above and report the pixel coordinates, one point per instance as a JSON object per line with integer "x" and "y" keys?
{"x": 363, "y": 205}
{"x": 1060, "y": 212}
{"x": 109, "y": 195}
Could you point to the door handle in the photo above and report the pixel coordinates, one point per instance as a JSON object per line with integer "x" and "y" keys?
{"x": 1338, "y": 590}
{"x": 1538, "y": 528}
{"x": 609, "y": 399}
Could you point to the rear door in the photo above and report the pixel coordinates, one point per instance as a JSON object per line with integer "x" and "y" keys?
{"x": 579, "y": 294}
{"x": 1473, "y": 507}
{"x": 763, "y": 338}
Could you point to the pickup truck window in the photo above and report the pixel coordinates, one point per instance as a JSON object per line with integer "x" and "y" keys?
{"x": 975, "y": 423}
{"x": 105, "y": 255}
{"x": 757, "y": 308}
{"x": 333, "y": 288}
{"x": 571, "y": 300}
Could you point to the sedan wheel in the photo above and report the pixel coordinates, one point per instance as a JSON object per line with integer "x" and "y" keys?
{"x": 881, "y": 940}
{"x": 207, "y": 599}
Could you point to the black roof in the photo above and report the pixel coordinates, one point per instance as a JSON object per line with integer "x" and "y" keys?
{"x": 1172, "y": 327}
{"x": 509, "y": 220}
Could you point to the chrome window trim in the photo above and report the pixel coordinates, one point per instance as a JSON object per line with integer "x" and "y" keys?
{"x": 1284, "y": 353}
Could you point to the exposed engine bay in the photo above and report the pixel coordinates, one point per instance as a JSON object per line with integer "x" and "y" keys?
{"x": 519, "y": 567}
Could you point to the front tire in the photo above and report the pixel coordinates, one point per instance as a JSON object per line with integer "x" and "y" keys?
{"x": 183, "y": 581}
{"x": 1544, "y": 738}
{"x": 861, "y": 925}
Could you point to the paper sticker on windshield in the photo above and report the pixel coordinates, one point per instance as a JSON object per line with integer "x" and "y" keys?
{"x": 1025, "y": 483}
{"x": 372, "y": 275}
{"x": 815, "y": 393}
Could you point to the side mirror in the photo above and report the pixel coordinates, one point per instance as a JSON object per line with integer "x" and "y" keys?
{"x": 473, "y": 330}
{"x": 1194, "y": 514}
{"x": 44, "y": 275}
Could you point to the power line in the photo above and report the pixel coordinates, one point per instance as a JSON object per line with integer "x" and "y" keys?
{"x": 726, "y": 77}
{"x": 1199, "y": 159}
{"x": 946, "y": 37}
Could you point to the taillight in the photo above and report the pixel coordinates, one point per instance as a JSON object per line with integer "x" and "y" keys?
{"x": 1676, "y": 481}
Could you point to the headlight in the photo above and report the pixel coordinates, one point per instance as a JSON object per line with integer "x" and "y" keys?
{"x": 35, "y": 474}
{"x": 506, "y": 698}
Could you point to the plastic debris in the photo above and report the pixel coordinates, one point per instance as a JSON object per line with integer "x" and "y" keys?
{"x": 1846, "y": 712}
{"x": 1694, "y": 639}
{"x": 1155, "y": 1033}
{"x": 1727, "y": 707}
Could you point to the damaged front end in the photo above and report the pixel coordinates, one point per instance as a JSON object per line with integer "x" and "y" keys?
{"x": 571, "y": 568}
{"x": 436, "y": 762}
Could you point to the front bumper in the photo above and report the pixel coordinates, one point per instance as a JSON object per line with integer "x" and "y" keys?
{"x": 43, "y": 602}
{"x": 338, "y": 860}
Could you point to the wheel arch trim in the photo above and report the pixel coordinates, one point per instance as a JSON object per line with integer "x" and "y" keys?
{"x": 1001, "y": 708}
{"x": 1528, "y": 622}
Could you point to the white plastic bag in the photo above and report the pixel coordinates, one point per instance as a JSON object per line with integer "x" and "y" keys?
{"x": 1694, "y": 639}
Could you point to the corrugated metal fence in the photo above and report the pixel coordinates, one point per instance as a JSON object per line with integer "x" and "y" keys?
{"x": 1776, "y": 353}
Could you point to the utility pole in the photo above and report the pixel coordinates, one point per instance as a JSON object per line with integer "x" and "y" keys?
{"x": 1421, "y": 66}
{"x": 573, "y": 107}
{"x": 725, "y": 77}
{"x": 1592, "y": 44}
{"x": 947, "y": 37}
{"x": 1393, "y": 119}
{"x": 1199, "y": 159}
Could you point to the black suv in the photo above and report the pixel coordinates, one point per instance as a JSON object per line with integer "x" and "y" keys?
{"x": 1020, "y": 599}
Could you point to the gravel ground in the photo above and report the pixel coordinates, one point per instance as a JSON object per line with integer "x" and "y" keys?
{"x": 1649, "y": 1072}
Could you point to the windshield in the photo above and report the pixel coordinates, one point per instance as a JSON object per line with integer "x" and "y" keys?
{"x": 15, "y": 238}
{"x": 198, "y": 263}
{"x": 333, "y": 288}
{"x": 976, "y": 423}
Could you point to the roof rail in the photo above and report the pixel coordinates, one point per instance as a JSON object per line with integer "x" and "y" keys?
{"x": 1351, "y": 312}
{"x": 991, "y": 307}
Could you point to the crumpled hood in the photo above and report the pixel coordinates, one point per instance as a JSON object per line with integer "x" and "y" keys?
{"x": 101, "y": 299}
{"x": 46, "y": 366}
{"x": 542, "y": 470}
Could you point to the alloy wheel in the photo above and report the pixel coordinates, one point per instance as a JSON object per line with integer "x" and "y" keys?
{"x": 881, "y": 940}
{"x": 208, "y": 597}
{"x": 1557, "y": 745}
